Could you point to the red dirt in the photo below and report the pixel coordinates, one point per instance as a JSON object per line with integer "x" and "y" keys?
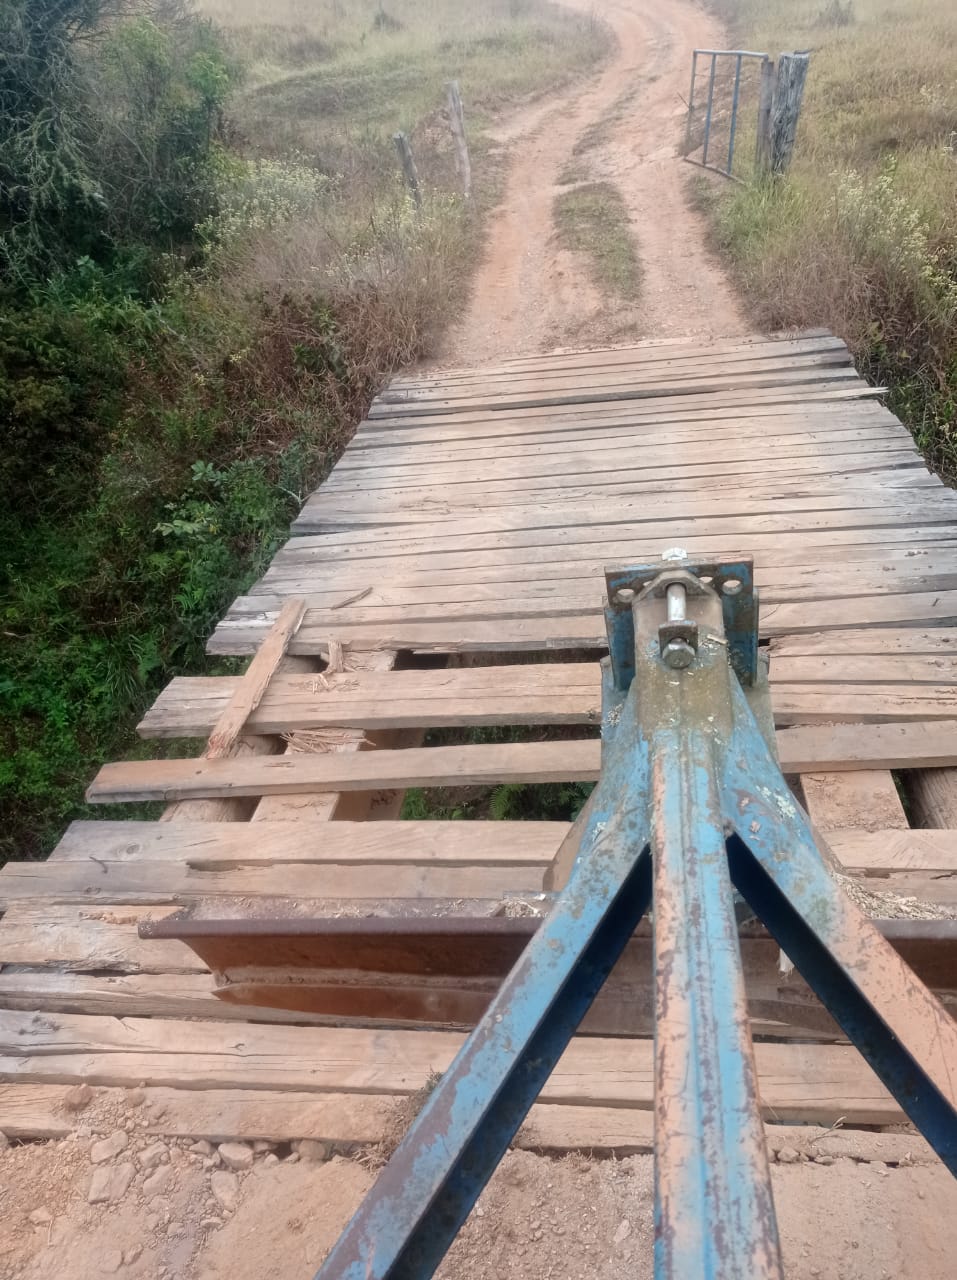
{"x": 530, "y": 294}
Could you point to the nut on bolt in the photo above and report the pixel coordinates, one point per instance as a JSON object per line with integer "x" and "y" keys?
{"x": 678, "y": 654}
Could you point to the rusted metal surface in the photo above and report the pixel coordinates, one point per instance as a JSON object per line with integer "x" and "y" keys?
{"x": 410, "y": 970}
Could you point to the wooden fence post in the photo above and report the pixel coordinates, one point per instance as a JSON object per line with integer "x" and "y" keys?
{"x": 762, "y": 154}
{"x": 408, "y": 167}
{"x": 786, "y": 108}
{"x": 457, "y": 124}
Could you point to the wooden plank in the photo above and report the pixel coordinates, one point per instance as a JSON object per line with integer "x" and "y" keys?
{"x": 138, "y": 882}
{"x": 535, "y": 466}
{"x": 394, "y": 406}
{"x": 249, "y": 689}
{"x": 621, "y": 1008}
{"x": 797, "y": 1082}
{"x": 222, "y": 845}
{"x": 881, "y": 852}
{"x": 521, "y": 432}
{"x": 457, "y": 629}
{"x": 218, "y": 846}
{"x": 910, "y": 641}
{"x": 615, "y": 437}
{"x": 90, "y": 940}
{"x": 845, "y": 571}
{"x": 126, "y": 995}
{"x": 325, "y": 514}
{"x": 466, "y": 432}
{"x": 571, "y": 364}
{"x": 614, "y": 466}
{"x": 539, "y": 693}
{"x": 241, "y": 632}
{"x": 788, "y": 558}
{"x": 467, "y": 497}
{"x": 574, "y": 594}
{"x": 656, "y": 377}
{"x": 805, "y": 749}
{"x": 866, "y": 800}
{"x": 121, "y": 884}
{"x": 826, "y": 399}
{"x": 32, "y": 1111}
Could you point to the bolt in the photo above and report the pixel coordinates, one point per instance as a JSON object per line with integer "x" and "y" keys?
{"x": 678, "y": 654}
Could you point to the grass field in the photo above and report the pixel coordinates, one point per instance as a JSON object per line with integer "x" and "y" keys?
{"x": 862, "y": 235}
{"x": 593, "y": 220}
{"x": 328, "y": 76}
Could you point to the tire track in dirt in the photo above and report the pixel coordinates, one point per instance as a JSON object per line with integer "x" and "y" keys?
{"x": 532, "y": 295}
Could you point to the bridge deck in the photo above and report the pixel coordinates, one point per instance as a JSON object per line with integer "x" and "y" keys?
{"x": 451, "y": 569}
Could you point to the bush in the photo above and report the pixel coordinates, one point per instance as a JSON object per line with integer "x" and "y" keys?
{"x": 107, "y": 131}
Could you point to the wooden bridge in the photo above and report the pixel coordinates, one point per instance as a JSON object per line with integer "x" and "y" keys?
{"x": 451, "y": 574}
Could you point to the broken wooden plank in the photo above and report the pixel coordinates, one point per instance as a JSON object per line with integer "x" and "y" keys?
{"x": 248, "y": 690}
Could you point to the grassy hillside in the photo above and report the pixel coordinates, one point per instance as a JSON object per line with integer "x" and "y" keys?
{"x": 862, "y": 235}
{"x": 205, "y": 272}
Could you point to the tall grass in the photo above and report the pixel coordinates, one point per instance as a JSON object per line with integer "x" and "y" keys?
{"x": 862, "y": 234}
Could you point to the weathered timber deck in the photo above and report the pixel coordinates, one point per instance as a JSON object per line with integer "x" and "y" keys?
{"x": 473, "y": 513}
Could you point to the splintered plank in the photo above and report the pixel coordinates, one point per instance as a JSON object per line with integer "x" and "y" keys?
{"x": 797, "y": 1082}
{"x": 804, "y": 749}
{"x": 247, "y": 692}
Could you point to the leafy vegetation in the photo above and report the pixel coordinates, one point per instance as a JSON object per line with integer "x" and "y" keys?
{"x": 540, "y": 802}
{"x": 191, "y": 318}
{"x": 861, "y": 235}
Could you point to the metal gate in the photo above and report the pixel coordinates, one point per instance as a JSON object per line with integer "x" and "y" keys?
{"x": 728, "y": 110}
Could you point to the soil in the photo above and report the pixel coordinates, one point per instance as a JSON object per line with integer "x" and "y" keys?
{"x": 531, "y": 295}
{"x": 539, "y": 1219}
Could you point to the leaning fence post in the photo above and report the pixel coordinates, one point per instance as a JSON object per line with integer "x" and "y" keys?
{"x": 408, "y": 167}
{"x": 786, "y": 108}
{"x": 762, "y": 153}
{"x": 457, "y": 124}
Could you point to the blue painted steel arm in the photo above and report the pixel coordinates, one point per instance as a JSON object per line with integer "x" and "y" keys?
{"x": 428, "y": 1188}
{"x": 898, "y": 1025}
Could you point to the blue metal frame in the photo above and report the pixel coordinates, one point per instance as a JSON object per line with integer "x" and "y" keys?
{"x": 739, "y": 56}
{"x": 690, "y": 801}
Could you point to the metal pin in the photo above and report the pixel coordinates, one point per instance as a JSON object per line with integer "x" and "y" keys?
{"x": 677, "y": 602}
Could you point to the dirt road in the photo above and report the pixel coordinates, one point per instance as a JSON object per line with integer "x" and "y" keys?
{"x": 530, "y": 294}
